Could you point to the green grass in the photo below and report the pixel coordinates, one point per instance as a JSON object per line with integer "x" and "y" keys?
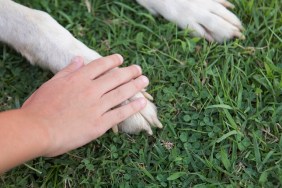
{"x": 220, "y": 104}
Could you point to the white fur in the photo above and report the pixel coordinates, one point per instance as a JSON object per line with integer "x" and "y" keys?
{"x": 206, "y": 18}
{"x": 146, "y": 118}
{"x": 38, "y": 37}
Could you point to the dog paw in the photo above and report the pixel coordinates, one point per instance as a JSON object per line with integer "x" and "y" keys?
{"x": 142, "y": 121}
{"x": 209, "y": 19}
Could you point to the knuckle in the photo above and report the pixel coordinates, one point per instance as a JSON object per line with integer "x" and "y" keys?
{"x": 72, "y": 79}
{"x": 120, "y": 93}
{"x": 118, "y": 75}
{"x": 100, "y": 64}
{"x": 121, "y": 115}
{"x": 136, "y": 85}
{"x": 133, "y": 107}
{"x": 126, "y": 74}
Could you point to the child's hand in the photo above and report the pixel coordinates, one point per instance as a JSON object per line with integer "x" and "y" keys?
{"x": 77, "y": 105}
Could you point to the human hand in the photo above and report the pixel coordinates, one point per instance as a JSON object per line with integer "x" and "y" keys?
{"x": 78, "y": 104}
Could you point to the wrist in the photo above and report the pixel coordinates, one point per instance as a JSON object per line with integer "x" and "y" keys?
{"x": 22, "y": 137}
{"x": 37, "y": 131}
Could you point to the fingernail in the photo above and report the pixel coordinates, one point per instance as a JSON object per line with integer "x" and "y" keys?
{"x": 144, "y": 79}
{"x": 120, "y": 57}
{"x": 139, "y": 68}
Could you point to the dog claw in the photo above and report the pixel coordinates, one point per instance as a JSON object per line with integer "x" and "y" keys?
{"x": 226, "y": 4}
{"x": 209, "y": 19}
{"x": 115, "y": 129}
{"x": 142, "y": 121}
{"x": 147, "y": 95}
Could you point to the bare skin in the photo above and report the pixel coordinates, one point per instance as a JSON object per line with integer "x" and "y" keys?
{"x": 73, "y": 108}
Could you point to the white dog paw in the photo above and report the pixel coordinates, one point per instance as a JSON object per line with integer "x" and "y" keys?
{"x": 209, "y": 19}
{"x": 142, "y": 121}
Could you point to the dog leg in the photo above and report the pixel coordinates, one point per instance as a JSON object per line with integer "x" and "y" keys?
{"x": 206, "y": 18}
{"x": 38, "y": 37}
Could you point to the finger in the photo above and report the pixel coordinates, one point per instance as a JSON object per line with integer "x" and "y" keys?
{"x": 75, "y": 64}
{"x": 116, "y": 77}
{"x": 119, "y": 114}
{"x": 99, "y": 66}
{"x": 124, "y": 92}
{"x": 28, "y": 100}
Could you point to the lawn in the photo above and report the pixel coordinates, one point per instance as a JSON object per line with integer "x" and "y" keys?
{"x": 220, "y": 104}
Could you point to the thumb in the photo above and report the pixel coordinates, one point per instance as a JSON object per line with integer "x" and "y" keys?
{"x": 75, "y": 64}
